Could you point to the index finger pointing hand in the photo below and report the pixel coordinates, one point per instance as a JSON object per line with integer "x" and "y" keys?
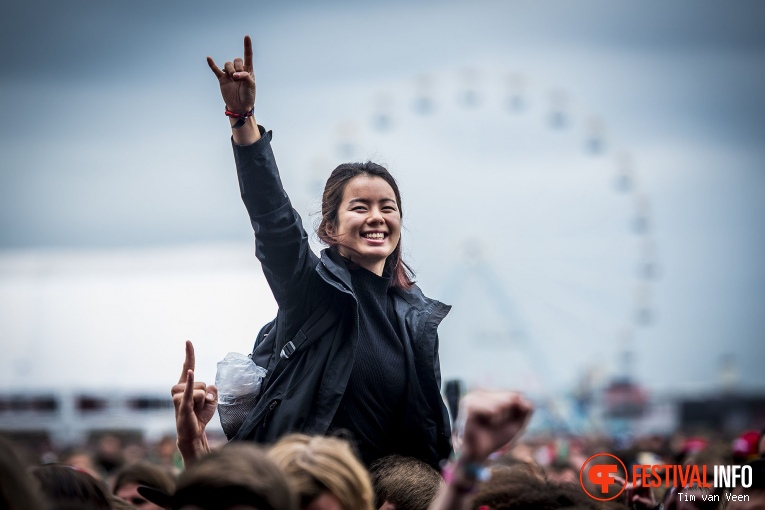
{"x": 189, "y": 363}
{"x": 247, "y": 53}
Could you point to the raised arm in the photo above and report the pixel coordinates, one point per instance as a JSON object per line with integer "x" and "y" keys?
{"x": 493, "y": 420}
{"x": 281, "y": 242}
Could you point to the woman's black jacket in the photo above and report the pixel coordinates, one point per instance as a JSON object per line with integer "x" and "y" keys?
{"x": 305, "y": 395}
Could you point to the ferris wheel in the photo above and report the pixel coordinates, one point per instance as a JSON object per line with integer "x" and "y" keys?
{"x": 539, "y": 232}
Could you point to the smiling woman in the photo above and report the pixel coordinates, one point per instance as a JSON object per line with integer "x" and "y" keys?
{"x": 361, "y": 219}
{"x": 356, "y": 337}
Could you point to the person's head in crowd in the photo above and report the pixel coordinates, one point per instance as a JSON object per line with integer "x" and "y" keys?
{"x": 165, "y": 453}
{"x": 562, "y": 472}
{"x": 515, "y": 489}
{"x": 65, "y": 487}
{"x": 753, "y": 497}
{"x": 128, "y": 478}
{"x": 404, "y": 483}
{"x": 81, "y": 459}
{"x": 166, "y": 449}
{"x": 109, "y": 455}
{"x": 323, "y": 472}
{"x": 17, "y": 489}
{"x": 238, "y": 477}
{"x": 524, "y": 464}
{"x": 135, "y": 452}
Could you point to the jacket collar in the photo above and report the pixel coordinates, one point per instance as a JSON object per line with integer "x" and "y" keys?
{"x": 333, "y": 270}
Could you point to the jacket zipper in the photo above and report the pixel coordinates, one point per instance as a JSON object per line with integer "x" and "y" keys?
{"x": 271, "y": 408}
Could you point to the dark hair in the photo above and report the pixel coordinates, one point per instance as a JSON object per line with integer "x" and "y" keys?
{"x": 405, "y": 482}
{"x": 240, "y": 473}
{"x": 513, "y": 489}
{"x": 402, "y": 275}
{"x": 66, "y": 487}
{"x": 143, "y": 473}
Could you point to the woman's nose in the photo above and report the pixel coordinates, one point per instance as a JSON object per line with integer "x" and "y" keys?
{"x": 375, "y": 216}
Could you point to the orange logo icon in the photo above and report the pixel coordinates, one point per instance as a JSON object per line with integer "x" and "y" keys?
{"x": 601, "y": 471}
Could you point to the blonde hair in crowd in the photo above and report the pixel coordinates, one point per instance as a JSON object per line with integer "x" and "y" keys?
{"x": 315, "y": 464}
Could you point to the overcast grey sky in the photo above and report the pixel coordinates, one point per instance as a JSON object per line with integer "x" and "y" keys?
{"x": 113, "y": 138}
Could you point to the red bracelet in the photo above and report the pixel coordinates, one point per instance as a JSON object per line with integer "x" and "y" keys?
{"x": 241, "y": 116}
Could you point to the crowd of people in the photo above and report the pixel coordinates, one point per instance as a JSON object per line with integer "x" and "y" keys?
{"x": 493, "y": 469}
{"x": 349, "y": 414}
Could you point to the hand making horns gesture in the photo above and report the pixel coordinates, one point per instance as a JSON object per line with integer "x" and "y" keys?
{"x": 195, "y": 405}
{"x": 237, "y": 80}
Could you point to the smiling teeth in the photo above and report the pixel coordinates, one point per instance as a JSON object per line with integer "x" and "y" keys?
{"x": 375, "y": 235}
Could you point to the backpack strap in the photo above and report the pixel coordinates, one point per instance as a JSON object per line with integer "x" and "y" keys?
{"x": 320, "y": 320}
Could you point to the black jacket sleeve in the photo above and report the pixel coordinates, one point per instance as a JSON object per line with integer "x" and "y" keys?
{"x": 281, "y": 242}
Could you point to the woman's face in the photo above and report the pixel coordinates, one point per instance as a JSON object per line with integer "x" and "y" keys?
{"x": 368, "y": 222}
